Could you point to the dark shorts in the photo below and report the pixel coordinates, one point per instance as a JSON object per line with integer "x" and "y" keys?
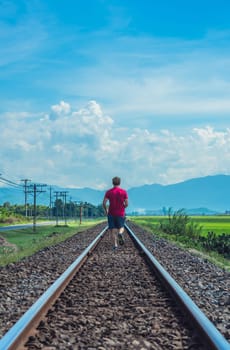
{"x": 116, "y": 221}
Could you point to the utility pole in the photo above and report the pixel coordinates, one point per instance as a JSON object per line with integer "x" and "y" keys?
{"x": 75, "y": 210}
{"x": 70, "y": 207}
{"x": 50, "y": 207}
{"x": 56, "y": 207}
{"x": 25, "y": 191}
{"x": 35, "y": 189}
{"x": 81, "y": 213}
{"x": 79, "y": 205}
{"x": 35, "y": 207}
{"x": 63, "y": 194}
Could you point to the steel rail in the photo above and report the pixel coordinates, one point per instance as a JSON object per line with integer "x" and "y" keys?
{"x": 212, "y": 337}
{"x": 18, "y": 334}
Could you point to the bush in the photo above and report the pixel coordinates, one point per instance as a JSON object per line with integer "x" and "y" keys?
{"x": 9, "y": 217}
{"x": 179, "y": 224}
{"x": 193, "y": 230}
{"x": 218, "y": 243}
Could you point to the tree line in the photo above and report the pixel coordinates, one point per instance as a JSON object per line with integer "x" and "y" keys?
{"x": 10, "y": 213}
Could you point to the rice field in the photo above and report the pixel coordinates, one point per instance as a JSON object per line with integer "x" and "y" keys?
{"x": 217, "y": 224}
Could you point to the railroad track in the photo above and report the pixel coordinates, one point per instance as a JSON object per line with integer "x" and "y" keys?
{"x": 119, "y": 299}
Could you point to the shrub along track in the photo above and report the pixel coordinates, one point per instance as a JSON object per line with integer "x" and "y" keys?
{"x": 22, "y": 283}
{"x": 6, "y": 245}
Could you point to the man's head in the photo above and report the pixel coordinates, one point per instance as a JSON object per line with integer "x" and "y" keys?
{"x": 116, "y": 181}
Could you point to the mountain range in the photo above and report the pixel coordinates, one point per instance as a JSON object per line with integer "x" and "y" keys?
{"x": 204, "y": 195}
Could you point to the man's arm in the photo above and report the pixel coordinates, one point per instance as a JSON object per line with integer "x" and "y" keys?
{"x": 105, "y": 206}
{"x": 126, "y": 203}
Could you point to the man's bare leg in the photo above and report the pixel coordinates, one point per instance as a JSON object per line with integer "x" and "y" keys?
{"x": 121, "y": 230}
{"x": 121, "y": 235}
{"x": 114, "y": 233}
{"x": 110, "y": 233}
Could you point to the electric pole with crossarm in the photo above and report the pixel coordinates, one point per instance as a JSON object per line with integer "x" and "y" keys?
{"x": 35, "y": 189}
{"x": 25, "y": 191}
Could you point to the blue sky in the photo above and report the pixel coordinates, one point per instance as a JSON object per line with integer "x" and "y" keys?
{"x": 92, "y": 89}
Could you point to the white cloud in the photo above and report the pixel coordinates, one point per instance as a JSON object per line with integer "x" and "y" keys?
{"x": 144, "y": 84}
{"x": 86, "y": 148}
{"x": 61, "y": 108}
{"x": 134, "y": 75}
{"x": 147, "y": 75}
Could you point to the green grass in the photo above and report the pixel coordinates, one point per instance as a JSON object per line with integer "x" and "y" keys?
{"x": 217, "y": 224}
{"x": 25, "y": 242}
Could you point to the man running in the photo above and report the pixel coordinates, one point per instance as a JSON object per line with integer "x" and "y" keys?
{"x": 118, "y": 201}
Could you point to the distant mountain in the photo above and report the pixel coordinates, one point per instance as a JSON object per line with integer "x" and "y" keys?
{"x": 212, "y": 192}
{"x": 208, "y": 194}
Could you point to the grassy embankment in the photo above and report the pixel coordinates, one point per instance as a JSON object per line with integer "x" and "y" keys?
{"x": 216, "y": 224}
{"x": 24, "y": 242}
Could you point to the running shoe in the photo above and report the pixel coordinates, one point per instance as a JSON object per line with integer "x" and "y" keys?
{"x": 121, "y": 239}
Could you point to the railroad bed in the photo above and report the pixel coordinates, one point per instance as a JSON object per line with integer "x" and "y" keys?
{"x": 115, "y": 302}
{"x": 115, "y": 307}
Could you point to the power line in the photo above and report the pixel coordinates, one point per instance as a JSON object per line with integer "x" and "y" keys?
{"x": 10, "y": 183}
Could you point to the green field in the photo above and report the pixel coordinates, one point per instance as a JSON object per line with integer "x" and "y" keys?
{"x": 21, "y": 243}
{"x": 217, "y": 224}
{"x": 24, "y": 242}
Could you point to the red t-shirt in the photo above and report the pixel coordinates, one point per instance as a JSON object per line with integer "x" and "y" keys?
{"x": 116, "y": 197}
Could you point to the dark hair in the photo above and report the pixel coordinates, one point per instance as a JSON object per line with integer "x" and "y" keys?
{"x": 116, "y": 181}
